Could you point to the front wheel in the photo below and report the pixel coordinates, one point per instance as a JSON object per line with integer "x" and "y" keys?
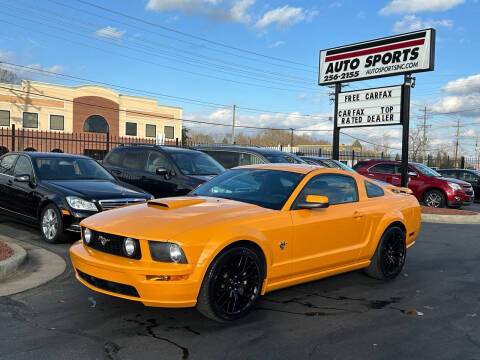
{"x": 51, "y": 225}
{"x": 389, "y": 258}
{"x": 434, "y": 198}
{"x": 232, "y": 284}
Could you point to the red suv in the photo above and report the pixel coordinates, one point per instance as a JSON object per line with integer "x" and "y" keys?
{"x": 427, "y": 185}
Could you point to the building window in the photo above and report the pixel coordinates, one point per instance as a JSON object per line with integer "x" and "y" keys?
{"x": 4, "y": 118}
{"x": 131, "y": 129}
{"x": 30, "y": 120}
{"x": 169, "y": 132}
{"x": 96, "y": 124}
{"x": 150, "y": 130}
{"x": 56, "y": 122}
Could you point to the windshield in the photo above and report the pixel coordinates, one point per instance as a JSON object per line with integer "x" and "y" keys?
{"x": 196, "y": 163}
{"x": 61, "y": 168}
{"x": 266, "y": 188}
{"x": 283, "y": 158}
{"x": 425, "y": 170}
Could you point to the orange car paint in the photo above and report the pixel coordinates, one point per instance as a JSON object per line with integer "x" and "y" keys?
{"x": 318, "y": 243}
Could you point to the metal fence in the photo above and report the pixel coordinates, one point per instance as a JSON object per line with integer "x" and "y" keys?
{"x": 97, "y": 145}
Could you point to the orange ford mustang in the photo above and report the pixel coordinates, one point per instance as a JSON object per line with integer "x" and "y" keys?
{"x": 250, "y": 230}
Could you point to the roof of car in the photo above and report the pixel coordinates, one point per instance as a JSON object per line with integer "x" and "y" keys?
{"x": 34, "y": 154}
{"x": 165, "y": 148}
{"x": 313, "y": 157}
{"x": 298, "y": 168}
{"x": 241, "y": 148}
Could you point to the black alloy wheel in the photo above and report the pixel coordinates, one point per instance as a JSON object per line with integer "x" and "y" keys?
{"x": 232, "y": 284}
{"x": 389, "y": 258}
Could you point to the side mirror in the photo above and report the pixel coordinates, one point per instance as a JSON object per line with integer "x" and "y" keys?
{"x": 412, "y": 174}
{"x": 22, "y": 178}
{"x": 161, "y": 171}
{"x": 315, "y": 202}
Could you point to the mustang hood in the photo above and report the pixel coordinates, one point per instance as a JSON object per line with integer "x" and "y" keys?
{"x": 94, "y": 189}
{"x": 162, "y": 219}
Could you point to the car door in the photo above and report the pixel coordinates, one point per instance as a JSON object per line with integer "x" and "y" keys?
{"x": 471, "y": 178}
{"x": 382, "y": 171}
{"x": 328, "y": 237}
{"x": 24, "y": 194}
{"x": 132, "y": 168}
{"x": 113, "y": 162}
{"x": 7, "y": 163}
{"x": 415, "y": 182}
{"x": 155, "y": 184}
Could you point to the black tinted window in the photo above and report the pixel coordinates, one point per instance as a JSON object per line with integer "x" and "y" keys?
{"x": 157, "y": 160}
{"x": 134, "y": 159}
{"x": 338, "y": 188}
{"x": 383, "y": 168}
{"x": 6, "y": 164}
{"x": 115, "y": 157}
{"x": 196, "y": 163}
{"x": 373, "y": 190}
{"x": 228, "y": 159}
{"x": 23, "y": 166}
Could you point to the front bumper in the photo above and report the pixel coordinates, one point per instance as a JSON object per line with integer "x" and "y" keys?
{"x": 72, "y": 220}
{"x": 127, "y": 278}
{"x": 459, "y": 198}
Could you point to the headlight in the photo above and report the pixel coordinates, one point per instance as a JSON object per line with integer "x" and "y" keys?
{"x": 87, "y": 236}
{"x": 454, "y": 186}
{"x": 167, "y": 252}
{"x": 80, "y": 204}
{"x": 130, "y": 247}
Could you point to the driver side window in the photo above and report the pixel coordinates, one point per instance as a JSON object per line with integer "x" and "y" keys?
{"x": 339, "y": 189}
{"x": 23, "y": 167}
{"x": 157, "y": 160}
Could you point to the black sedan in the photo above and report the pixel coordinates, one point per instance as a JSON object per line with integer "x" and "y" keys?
{"x": 57, "y": 191}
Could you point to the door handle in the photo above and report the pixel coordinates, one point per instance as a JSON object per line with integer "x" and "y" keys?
{"x": 371, "y": 175}
{"x": 395, "y": 178}
{"x": 358, "y": 214}
{"x": 116, "y": 172}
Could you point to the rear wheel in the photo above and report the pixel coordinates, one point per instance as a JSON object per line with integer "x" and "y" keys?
{"x": 389, "y": 258}
{"x": 51, "y": 225}
{"x": 434, "y": 198}
{"x": 232, "y": 284}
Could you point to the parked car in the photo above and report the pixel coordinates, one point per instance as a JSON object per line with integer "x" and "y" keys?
{"x": 57, "y": 191}
{"x": 248, "y": 231}
{"x": 233, "y": 155}
{"x": 161, "y": 170}
{"x": 427, "y": 185}
{"x": 469, "y": 175}
{"x": 330, "y": 163}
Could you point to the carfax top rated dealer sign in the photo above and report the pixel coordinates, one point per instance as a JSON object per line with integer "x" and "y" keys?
{"x": 406, "y": 53}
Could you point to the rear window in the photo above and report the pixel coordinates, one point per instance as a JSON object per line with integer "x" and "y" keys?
{"x": 373, "y": 190}
{"x": 228, "y": 159}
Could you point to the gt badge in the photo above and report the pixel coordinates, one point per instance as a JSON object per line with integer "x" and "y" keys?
{"x": 282, "y": 244}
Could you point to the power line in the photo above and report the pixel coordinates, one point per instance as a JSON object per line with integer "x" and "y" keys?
{"x": 196, "y": 37}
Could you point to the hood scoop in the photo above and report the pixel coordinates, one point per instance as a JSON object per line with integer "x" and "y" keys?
{"x": 175, "y": 202}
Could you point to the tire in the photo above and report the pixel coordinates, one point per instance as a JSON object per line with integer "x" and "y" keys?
{"x": 232, "y": 284}
{"x": 389, "y": 257}
{"x": 434, "y": 198}
{"x": 51, "y": 225}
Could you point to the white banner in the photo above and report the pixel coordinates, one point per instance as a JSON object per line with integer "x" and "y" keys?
{"x": 370, "y": 107}
{"x": 394, "y": 55}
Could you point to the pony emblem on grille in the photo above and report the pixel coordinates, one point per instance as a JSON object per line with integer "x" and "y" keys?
{"x": 103, "y": 240}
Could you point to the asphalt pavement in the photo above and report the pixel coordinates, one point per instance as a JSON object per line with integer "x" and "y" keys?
{"x": 431, "y": 311}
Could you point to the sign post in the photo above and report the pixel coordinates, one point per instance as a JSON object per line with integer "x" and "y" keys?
{"x": 395, "y": 55}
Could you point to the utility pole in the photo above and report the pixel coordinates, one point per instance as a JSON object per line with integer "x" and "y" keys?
{"x": 424, "y": 133}
{"x": 456, "y": 145}
{"x": 291, "y": 140}
{"x": 233, "y": 124}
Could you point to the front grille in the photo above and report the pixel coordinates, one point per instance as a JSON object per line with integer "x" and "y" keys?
{"x": 114, "y": 203}
{"x": 109, "y": 285}
{"x": 112, "y": 244}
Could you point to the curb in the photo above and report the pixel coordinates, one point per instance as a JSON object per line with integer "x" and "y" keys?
{"x": 11, "y": 264}
{"x": 451, "y": 219}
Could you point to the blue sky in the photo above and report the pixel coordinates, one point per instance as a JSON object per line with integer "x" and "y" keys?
{"x": 77, "y": 39}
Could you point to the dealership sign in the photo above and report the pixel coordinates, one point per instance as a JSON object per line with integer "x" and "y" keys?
{"x": 394, "y": 55}
{"x": 370, "y": 107}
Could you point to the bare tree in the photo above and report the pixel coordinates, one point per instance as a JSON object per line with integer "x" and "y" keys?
{"x": 7, "y": 76}
{"x": 415, "y": 143}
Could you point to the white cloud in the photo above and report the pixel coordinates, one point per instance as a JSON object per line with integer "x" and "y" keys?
{"x": 302, "y": 96}
{"x": 109, "y": 32}
{"x": 335, "y": 4}
{"x": 465, "y": 105}
{"x": 230, "y": 10}
{"x": 276, "y": 44}
{"x": 466, "y": 85}
{"x": 414, "y": 6}
{"x": 285, "y": 16}
{"x": 412, "y": 23}
{"x": 5, "y": 55}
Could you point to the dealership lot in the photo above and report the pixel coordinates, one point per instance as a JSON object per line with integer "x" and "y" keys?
{"x": 431, "y": 311}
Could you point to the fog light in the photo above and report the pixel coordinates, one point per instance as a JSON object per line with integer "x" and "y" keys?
{"x": 87, "y": 236}
{"x": 129, "y": 246}
{"x": 457, "y": 198}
